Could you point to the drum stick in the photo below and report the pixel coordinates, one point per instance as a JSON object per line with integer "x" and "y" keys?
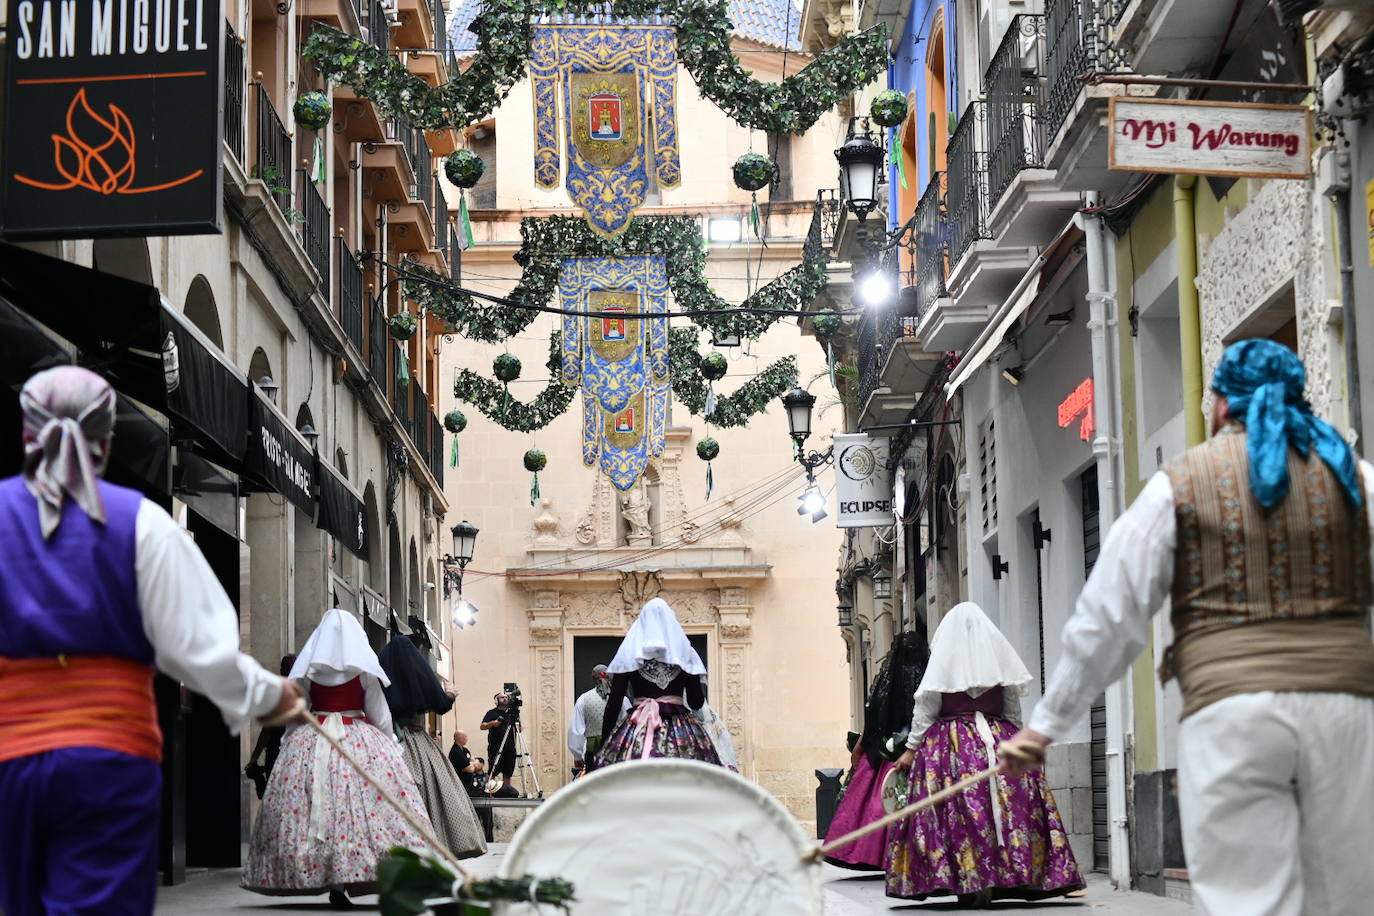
{"x": 818, "y": 852}
{"x": 300, "y": 714}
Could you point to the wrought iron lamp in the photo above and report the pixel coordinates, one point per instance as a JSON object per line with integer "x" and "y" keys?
{"x": 882, "y": 584}
{"x": 464, "y": 542}
{"x": 798, "y": 403}
{"x": 846, "y": 613}
{"x": 861, "y": 168}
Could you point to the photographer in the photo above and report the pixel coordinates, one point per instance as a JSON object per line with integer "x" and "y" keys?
{"x": 498, "y": 723}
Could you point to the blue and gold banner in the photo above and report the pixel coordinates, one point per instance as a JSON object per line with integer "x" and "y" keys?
{"x": 618, "y": 84}
{"x": 619, "y": 361}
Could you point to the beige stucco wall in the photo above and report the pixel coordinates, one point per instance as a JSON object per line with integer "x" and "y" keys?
{"x": 794, "y": 677}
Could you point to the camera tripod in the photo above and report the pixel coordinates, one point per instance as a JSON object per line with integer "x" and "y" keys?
{"x": 523, "y": 760}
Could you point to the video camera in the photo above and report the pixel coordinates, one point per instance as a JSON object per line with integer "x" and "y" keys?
{"x": 512, "y": 692}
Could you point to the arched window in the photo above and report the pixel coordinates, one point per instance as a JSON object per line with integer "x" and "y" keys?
{"x": 201, "y": 311}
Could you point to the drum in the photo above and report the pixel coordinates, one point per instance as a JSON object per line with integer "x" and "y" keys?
{"x": 668, "y": 838}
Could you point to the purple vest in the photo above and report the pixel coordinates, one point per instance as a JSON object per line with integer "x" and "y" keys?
{"x": 76, "y": 594}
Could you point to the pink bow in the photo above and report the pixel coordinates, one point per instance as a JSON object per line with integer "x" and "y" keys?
{"x": 647, "y": 714}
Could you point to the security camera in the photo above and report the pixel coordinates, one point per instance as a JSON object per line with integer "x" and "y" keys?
{"x": 429, "y": 586}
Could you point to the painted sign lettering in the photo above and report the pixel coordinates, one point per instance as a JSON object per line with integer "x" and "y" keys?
{"x": 1210, "y": 138}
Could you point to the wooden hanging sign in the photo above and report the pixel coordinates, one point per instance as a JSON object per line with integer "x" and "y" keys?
{"x": 1234, "y": 139}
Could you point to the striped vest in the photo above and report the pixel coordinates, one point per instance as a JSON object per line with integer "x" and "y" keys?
{"x": 1237, "y": 563}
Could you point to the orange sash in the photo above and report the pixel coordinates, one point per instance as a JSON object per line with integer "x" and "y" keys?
{"x": 83, "y": 701}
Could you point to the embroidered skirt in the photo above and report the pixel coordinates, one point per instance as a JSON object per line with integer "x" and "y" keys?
{"x": 446, "y": 801}
{"x": 862, "y": 804}
{"x": 300, "y": 849}
{"x": 964, "y": 845}
{"x": 680, "y": 734}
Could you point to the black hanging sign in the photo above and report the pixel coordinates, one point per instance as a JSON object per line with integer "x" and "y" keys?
{"x": 112, "y": 118}
{"x": 277, "y": 455}
{"x": 341, "y": 511}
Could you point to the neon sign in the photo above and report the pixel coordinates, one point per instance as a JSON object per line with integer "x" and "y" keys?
{"x": 1079, "y": 402}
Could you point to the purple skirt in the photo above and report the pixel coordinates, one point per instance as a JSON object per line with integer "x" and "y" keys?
{"x": 680, "y": 736}
{"x": 955, "y": 847}
{"x": 862, "y": 805}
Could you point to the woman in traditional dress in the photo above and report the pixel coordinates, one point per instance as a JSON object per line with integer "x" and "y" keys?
{"x": 886, "y": 718}
{"x": 322, "y": 828}
{"x": 660, "y": 672}
{"x": 1003, "y": 838}
{"x": 415, "y": 690}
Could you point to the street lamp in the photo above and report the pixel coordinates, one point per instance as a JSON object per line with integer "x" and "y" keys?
{"x": 309, "y": 433}
{"x": 846, "y": 613}
{"x": 861, "y": 165}
{"x": 464, "y": 542}
{"x": 882, "y": 585}
{"x": 798, "y": 403}
{"x": 268, "y": 387}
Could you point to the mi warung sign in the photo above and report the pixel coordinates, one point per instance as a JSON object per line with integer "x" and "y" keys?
{"x": 1210, "y": 138}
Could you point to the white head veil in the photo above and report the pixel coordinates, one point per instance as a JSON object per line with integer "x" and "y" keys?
{"x": 970, "y": 654}
{"x": 337, "y": 652}
{"x": 656, "y": 635}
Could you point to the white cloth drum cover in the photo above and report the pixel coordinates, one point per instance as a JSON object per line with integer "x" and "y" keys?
{"x": 668, "y": 838}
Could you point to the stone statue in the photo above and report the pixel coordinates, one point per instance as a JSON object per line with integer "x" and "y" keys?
{"x": 635, "y": 511}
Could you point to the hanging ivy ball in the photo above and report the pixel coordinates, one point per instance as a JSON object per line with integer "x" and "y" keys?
{"x": 888, "y": 108}
{"x": 506, "y": 367}
{"x": 464, "y": 168}
{"x": 713, "y": 366}
{"x": 708, "y": 448}
{"x": 402, "y": 325}
{"x": 826, "y": 326}
{"x": 312, "y": 110}
{"x": 753, "y": 171}
{"x": 455, "y": 421}
{"x": 535, "y": 459}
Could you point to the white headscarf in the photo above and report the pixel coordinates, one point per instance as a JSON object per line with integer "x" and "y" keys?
{"x": 337, "y": 652}
{"x": 68, "y": 412}
{"x": 970, "y": 654}
{"x": 656, "y": 635}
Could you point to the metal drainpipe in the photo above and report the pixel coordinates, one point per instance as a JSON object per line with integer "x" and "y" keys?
{"x": 1341, "y": 200}
{"x": 1106, "y": 447}
{"x": 1189, "y": 310}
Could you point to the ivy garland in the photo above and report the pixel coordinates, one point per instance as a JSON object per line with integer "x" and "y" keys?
{"x": 703, "y": 45}
{"x": 495, "y": 404}
{"x": 753, "y": 397}
{"x": 676, "y": 238}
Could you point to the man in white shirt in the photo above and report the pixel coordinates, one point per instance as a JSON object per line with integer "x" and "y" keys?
{"x": 1260, "y": 539}
{"x": 584, "y": 729}
{"x": 97, "y": 587}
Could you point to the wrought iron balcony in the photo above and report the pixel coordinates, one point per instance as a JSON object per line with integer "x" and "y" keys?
{"x": 827, "y": 214}
{"x": 870, "y": 360}
{"x": 350, "y": 295}
{"x": 967, "y": 181}
{"x": 441, "y": 31}
{"x": 436, "y": 449}
{"x": 378, "y": 341}
{"x": 421, "y": 162}
{"x": 1013, "y": 87}
{"x": 314, "y": 227}
{"x": 378, "y": 28}
{"x": 400, "y": 394}
{"x": 441, "y": 227}
{"x": 455, "y": 256}
{"x": 273, "y": 164}
{"x": 1076, "y": 43}
{"x": 932, "y": 256}
{"x": 234, "y": 81}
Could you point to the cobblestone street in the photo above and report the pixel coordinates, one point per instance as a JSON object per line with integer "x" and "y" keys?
{"x": 846, "y": 894}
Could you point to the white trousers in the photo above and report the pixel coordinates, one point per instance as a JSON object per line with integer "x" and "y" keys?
{"x": 1276, "y": 800}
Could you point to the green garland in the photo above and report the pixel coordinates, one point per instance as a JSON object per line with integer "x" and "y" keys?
{"x": 492, "y": 399}
{"x": 547, "y": 242}
{"x": 703, "y": 45}
{"x": 753, "y": 397}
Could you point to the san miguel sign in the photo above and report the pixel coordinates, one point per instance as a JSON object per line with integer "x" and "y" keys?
{"x": 1210, "y": 138}
{"x": 112, "y": 118}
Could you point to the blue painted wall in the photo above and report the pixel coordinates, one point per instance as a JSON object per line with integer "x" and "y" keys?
{"x": 908, "y": 74}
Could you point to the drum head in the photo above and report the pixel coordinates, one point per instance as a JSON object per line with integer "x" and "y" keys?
{"x": 668, "y": 838}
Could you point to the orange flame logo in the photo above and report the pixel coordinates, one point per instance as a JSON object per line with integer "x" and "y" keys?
{"x": 98, "y": 166}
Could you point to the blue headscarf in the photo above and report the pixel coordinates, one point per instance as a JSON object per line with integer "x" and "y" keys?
{"x": 1263, "y": 382}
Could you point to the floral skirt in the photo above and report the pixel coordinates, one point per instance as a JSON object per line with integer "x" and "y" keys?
{"x": 293, "y": 853}
{"x": 447, "y": 802}
{"x": 964, "y": 845}
{"x": 862, "y": 805}
{"x": 680, "y": 735}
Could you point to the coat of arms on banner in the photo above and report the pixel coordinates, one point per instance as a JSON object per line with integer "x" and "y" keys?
{"x": 617, "y": 82}
{"x": 619, "y": 360}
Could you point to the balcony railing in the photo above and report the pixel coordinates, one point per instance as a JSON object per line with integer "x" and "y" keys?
{"x": 378, "y": 29}
{"x": 455, "y": 255}
{"x": 440, "y": 31}
{"x": 400, "y": 396}
{"x": 1076, "y": 42}
{"x": 378, "y": 342}
{"x": 314, "y": 227}
{"x": 828, "y": 212}
{"x": 234, "y": 77}
{"x": 440, "y": 216}
{"x": 350, "y": 295}
{"x": 968, "y": 181}
{"x": 1013, "y": 88}
{"x": 421, "y": 161}
{"x": 273, "y": 164}
{"x": 436, "y": 449}
{"x": 932, "y": 258}
{"x": 419, "y": 421}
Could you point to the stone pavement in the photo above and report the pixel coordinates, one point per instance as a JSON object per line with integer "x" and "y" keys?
{"x": 846, "y": 894}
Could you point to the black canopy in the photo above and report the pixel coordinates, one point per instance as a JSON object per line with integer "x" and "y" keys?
{"x": 341, "y": 511}
{"x": 278, "y": 457}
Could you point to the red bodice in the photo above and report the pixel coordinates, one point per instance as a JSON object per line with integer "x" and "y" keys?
{"x": 346, "y": 697}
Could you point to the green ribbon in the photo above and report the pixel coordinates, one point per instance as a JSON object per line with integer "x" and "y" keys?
{"x": 534, "y": 488}
{"x": 757, "y": 220}
{"x": 895, "y": 157}
{"x": 453, "y": 454}
{"x": 467, "y": 221}
{"x": 403, "y": 369}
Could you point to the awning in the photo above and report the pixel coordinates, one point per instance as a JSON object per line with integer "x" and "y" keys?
{"x": 375, "y": 608}
{"x": 210, "y": 491}
{"x": 341, "y": 511}
{"x": 278, "y": 457}
{"x": 206, "y": 393}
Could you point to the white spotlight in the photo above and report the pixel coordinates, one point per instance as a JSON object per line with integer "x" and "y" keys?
{"x": 464, "y": 613}
{"x": 875, "y": 288}
{"x": 812, "y": 503}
